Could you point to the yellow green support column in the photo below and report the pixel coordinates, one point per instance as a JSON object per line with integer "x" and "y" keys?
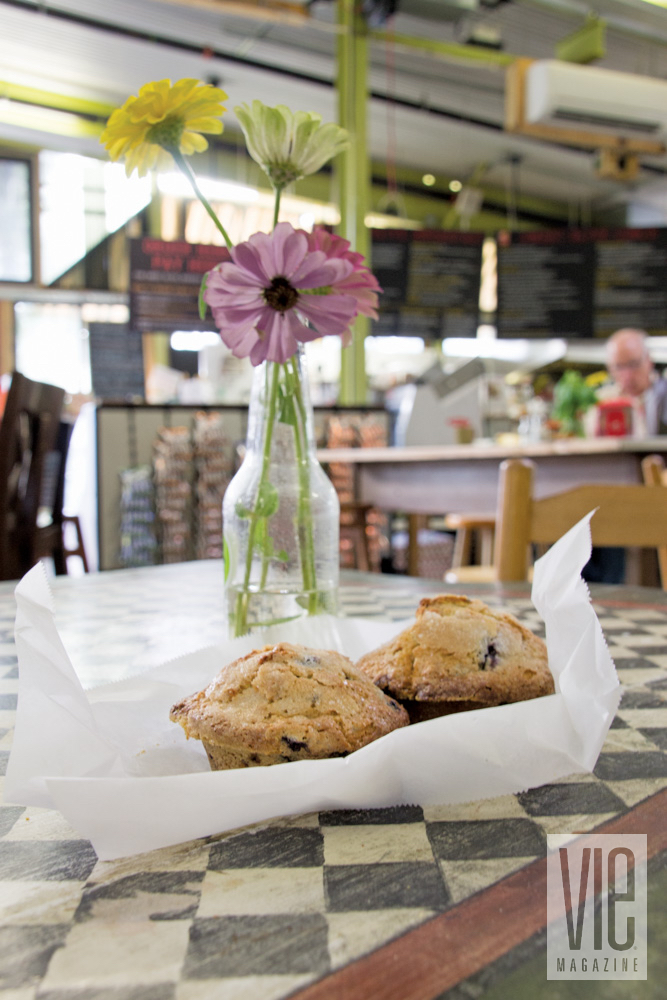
{"x": 353, "y": 173}
{"x": 156, "y": 344}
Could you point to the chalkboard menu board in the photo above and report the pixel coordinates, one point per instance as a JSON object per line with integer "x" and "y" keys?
{"x": 116, "y": 361}
{"x": 164, "y": 284}
{"x": 430, "y": 281}
{"x": 582, "y": 283}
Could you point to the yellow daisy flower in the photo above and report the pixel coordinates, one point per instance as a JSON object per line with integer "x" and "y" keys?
{"x": 163, "y": 121}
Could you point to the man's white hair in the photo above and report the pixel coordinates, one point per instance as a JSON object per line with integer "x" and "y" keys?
{"x": 629, "y": 333}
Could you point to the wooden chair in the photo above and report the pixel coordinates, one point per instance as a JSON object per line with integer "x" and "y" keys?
{"x": 52, "y": 538}
{"x": 28, "y": 434}
{"x": 626, "y": 516}
{"x": 78, "y": 548}
{"x": 655, "y": 474}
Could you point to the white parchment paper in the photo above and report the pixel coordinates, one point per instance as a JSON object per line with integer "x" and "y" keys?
{"x": 125, "y": 777}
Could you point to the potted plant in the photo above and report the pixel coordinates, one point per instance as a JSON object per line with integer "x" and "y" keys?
{"x": 572, "y": 397}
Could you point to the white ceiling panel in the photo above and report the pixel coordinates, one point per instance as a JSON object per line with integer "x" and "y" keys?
{"x": 448, "y": 115}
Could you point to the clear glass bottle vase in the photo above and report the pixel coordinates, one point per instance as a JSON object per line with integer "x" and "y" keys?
{"x": 280, "y": 511}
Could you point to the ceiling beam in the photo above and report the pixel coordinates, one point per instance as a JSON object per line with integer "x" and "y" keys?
{"x": 48, "y": 99}
{"x": 449, "y": 51}
{"x": 277, "y": 11}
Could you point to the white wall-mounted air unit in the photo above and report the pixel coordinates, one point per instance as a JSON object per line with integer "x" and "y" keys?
{"x": 591, "y": 99}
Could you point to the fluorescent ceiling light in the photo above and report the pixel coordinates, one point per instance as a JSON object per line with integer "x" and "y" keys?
{"x": 395, "y": 345}
{"x": 514, "y": 350}
{"x": 46, "y": 120}
{"x": 378, "y": 220}
{"x": 193, "y": 340}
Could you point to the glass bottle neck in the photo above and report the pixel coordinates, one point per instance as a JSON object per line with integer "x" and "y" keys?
{"x": 280, "y": 399}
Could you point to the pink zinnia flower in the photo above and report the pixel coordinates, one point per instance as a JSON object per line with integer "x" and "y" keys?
{"x": 361, "y": 283}
{"x": 258, "y": 299}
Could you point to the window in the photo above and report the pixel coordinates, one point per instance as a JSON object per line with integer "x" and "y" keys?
{"x": 16, "y": 253}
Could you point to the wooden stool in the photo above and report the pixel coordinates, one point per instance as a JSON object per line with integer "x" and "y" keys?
{"x": 467, "y": 526}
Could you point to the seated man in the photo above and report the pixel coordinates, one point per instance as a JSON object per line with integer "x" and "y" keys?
{"x": 631, "y": 367}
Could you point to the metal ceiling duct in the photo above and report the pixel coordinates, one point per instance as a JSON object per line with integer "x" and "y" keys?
{"x": 378, "y": 11}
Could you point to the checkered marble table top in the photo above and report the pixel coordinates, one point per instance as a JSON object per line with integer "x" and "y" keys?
{"x": 264, "y": 911}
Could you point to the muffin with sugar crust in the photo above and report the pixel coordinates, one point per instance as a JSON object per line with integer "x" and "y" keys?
{"x": 459, "y": 654}
{"x": 285, "y": 703}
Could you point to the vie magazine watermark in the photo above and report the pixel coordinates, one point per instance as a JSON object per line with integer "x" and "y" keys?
{"x": 596, "y": 906}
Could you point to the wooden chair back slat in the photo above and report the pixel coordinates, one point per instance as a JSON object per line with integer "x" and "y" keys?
{"x": 655, "y": 474}
{"x": 625, "y": 516}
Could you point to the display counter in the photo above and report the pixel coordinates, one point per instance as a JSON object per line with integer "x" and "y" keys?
{"x": 452, "y": 478}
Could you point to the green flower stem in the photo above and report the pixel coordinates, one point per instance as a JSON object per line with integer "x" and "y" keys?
{"x": 276, "y": 210}
{"x": 184, "y": 166}
{"x": 242, "y": 599}
{"x": 305, "y": 513}
{"x": 265, "y": 563}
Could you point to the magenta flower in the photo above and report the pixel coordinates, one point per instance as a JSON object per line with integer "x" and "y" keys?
{"x": 361, "y": 283}
{"x": 262, "y": 299}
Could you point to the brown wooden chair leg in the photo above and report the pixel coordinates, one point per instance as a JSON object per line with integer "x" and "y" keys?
{"x": 354, "y": 524}
{"x": 361, "y": 548}
{"x": 462, "y": 548}
{"x": 79, "y": 550}
{"x": 486, "y": 545}
{"x": 415, "y": 522}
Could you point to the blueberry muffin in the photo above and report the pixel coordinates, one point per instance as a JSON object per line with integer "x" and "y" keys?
{"x": 284, "y": 703}
{"x": 459, "y": 654}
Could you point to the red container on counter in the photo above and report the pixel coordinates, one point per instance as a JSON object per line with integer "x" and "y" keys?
{"x": 615, "y": 417}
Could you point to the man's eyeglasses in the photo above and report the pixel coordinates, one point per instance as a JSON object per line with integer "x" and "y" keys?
{"x": 630, "y": 366}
